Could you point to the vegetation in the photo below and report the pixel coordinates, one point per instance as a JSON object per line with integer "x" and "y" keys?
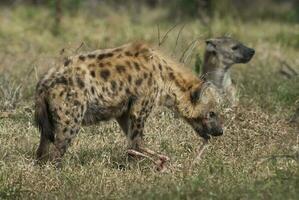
{"x": 257, "y": 158}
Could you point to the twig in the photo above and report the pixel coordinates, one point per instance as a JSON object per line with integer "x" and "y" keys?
{"x": 165, "y": 35}
{"x": 179, "y": 34}
{"x": 29, "y": 73}
{"x": 62, "y": 51}
{"x": 185, "y": 51}
{"x": 201, "y": 149}
{"x": 287, "y": 71}
{"x": 177, "y": 38}
{"x": 290, "y": 68}
{"x": 16, "y": 93}
{"x": 1, "y": 91}
{"x": 158, "y": 32}
{"x": 24, "y": 81}
{"x": 286, "y": 74}
{"x": 190, "y": 52}
{"x": 158, "y": 29}
{"x": 81, "y": 45}
{"x": 36, "y": 73}
{"x": 275, "y": 157}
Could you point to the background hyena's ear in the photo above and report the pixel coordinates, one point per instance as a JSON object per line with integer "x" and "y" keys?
{"x": 211, "y": 45}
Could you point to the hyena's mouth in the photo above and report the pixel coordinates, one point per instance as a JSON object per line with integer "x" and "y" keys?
{"x": 206, "y": 133}
{"x": 216, "y": 132}
{"x": 203, "y": 132}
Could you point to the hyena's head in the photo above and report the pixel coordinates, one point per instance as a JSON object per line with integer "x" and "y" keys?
{"x": 205, "y": 118}
{"x": 229, "y": 51}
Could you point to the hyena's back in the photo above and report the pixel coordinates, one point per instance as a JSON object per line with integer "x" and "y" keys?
{"x": 106, "y": 79}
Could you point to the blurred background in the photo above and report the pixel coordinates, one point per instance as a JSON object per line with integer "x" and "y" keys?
{"x": 37, "y": 34}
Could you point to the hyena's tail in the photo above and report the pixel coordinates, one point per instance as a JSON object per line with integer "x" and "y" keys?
{"x": 45, "y": 124}
{"x": 43, "y": 118}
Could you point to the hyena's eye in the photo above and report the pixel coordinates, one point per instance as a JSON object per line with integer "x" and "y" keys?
{"x": 212, "y": 114}
{"x": 235, "y": 47}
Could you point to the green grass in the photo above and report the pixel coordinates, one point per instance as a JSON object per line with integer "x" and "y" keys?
{"x": 257, "y": 158}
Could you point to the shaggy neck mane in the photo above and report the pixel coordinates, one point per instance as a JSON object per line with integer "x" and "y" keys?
{"x": 179, "y": 82}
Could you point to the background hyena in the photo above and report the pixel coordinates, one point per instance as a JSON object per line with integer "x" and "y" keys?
{"x": 124, "y": 83}
{"x": 220, "y": 54}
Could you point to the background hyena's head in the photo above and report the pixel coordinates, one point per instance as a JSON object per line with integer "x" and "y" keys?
{"x": 229, "y": 51}
{"x": 206, "y": 118}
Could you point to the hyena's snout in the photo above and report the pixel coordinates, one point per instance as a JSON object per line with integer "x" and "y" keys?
{"x": 213, "y": 127}
{"x": 248, "y": 53}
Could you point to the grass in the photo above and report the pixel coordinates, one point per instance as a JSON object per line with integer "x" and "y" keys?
{"x": 257, "y": 158}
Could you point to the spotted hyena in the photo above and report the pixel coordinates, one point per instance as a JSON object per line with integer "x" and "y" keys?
{"x": 125, "y": 84}
{"x": 220, "y": 54}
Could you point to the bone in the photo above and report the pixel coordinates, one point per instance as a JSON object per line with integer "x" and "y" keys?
{"x": 160, "y": 163}
{"x": 153, "y": 153}
{"x": 133, "y": 152}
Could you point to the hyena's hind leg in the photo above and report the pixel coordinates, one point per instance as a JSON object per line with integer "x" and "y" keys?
{"x": 123, "y": 122}
{"x": 68, "y": 127}
{"x": 64, "y": 136}
{"x": 66, "y": 116}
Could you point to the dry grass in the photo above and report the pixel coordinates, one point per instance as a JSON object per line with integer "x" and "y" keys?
{"x": 257, "y": 158}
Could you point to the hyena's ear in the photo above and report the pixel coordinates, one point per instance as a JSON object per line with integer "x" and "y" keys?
{"x": 211, "y": 45}
{"x": 197, "y": 91}
{"x": 195, "y": 95}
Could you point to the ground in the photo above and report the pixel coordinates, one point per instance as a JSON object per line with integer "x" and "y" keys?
{"x": 256, "y": 158}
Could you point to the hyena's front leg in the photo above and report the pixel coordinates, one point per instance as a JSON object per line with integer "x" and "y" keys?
{"x": 136, "y": 146}
{"x": 135, "y": 140}
{"x": 135, "y": 127}
{"x": 135, "y": 132}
